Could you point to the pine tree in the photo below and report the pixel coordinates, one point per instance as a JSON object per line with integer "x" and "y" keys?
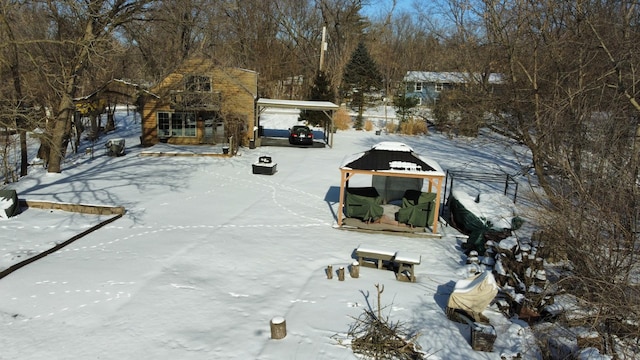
{"x": 321, "y": 90}
{"x": 404, "y": 104}
{"x": 361, "y": 75}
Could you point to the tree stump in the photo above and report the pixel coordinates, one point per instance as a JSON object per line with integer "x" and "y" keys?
{"x": 278, "y": 328}
{"x": 330, "y": 272}
{"x": 355, "y": 270}
{"x": 341, "y": 273}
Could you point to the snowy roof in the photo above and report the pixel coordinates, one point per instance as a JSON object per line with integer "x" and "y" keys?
{"x": 394, "y": 157}
{"x": 449, "y": 77}
{"x": 298, "y": 104}
{"x": 392, "y": 146}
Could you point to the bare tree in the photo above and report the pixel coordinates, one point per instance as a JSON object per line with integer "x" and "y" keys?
{"x": 16, "y": 108}
{"x": 571, "y": 96}
{"x": 81, "y": 34}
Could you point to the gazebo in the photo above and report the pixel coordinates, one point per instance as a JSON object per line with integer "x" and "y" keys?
{"x": 394, "y": 168}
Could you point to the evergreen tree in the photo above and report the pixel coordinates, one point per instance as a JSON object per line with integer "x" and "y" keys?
{"x": 321, "y": 90}
{"x": 361, "y": 75}
{"x": 404, "y": 104}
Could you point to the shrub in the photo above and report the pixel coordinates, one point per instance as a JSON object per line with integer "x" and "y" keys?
{"x": 414, "y": 126}
{"x": 390, "y": 127}
{"x": 368, "y": 125}
{"x": 341, "y": 119}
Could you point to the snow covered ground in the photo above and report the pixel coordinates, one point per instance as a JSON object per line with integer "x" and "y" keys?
{"x": 208, "y": 253}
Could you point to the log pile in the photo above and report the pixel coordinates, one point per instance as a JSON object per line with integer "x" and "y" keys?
{"x": 518, "y": 266}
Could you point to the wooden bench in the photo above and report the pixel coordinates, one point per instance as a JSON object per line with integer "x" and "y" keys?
{"x": 406, "y": 265}
{"x": 368, "y": 254}
{"x": 402, "y": 261}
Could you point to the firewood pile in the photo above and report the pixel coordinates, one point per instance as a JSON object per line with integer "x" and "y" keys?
{"x": 518, "y": 266}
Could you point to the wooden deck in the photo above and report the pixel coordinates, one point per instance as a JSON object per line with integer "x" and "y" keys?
{"x": 359, "y": 225}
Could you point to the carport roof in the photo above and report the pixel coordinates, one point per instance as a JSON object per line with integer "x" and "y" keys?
{"x": 297, "y": 104}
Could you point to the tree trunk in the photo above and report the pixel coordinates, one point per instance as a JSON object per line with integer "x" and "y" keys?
{"x": 111, "y": 124}
{"x": 60, "y": 134}
{"x": 24, "y": 161}
{"x": 17, "y": 86}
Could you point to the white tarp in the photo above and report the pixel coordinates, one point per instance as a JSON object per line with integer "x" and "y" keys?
{"x": 474, "y": 294}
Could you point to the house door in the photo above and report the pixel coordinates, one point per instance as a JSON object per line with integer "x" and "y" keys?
{"x": 219, "y": 132}
{"x": 208, "y": 136}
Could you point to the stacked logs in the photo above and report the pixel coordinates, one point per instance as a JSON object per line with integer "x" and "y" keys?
{"x": 518, "y": 267}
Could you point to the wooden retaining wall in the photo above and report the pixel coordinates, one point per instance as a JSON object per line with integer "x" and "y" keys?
{"x": 76, "y": 208}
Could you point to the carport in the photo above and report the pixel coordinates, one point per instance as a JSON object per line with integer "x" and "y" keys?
{"x": 327, "y": 107}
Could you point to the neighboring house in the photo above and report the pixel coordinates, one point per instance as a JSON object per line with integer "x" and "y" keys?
{"x": 427, "y": 85}
{"x": 200, "y": 103}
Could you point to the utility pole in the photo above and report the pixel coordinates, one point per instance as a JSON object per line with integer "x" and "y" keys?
{"x": 323, "y": 46}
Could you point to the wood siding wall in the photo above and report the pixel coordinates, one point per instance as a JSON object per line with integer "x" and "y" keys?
{"x": 238, "y": 88}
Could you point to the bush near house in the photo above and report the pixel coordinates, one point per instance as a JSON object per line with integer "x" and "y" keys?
{"x": 414, "y": 126}
{"x": 368, "y": 125}
{"x": 342, "y": 120}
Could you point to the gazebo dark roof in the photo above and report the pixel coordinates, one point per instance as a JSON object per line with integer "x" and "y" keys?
{"x": 381, "y": 160}
{"x": 390, "y": 156}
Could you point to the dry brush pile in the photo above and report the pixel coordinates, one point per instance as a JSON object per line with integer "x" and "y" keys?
{"x": 375, "y": 336}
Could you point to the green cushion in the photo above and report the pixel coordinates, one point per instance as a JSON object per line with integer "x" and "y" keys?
{"x": 363, "y": 203}
{"x": 417, "y": 208}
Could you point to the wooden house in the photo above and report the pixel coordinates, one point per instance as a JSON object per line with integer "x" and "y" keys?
{"x": 427, "y": 85}
{"x": 201, "y": 103}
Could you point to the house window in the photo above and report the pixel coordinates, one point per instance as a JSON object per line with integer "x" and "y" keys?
{"x": 189, "y": 124}
{"x": 197, "y": 83}
{"x": 418, "y": 87}
{"x": 439, "y": 87}
{"x": 176, "y": 124}
{"x": 164, "y": 125}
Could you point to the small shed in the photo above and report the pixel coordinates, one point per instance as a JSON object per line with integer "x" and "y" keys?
{"x": 395, "y": 168}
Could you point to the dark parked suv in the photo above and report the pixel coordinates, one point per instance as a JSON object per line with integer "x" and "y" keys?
{"x": 300, "y": 135}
